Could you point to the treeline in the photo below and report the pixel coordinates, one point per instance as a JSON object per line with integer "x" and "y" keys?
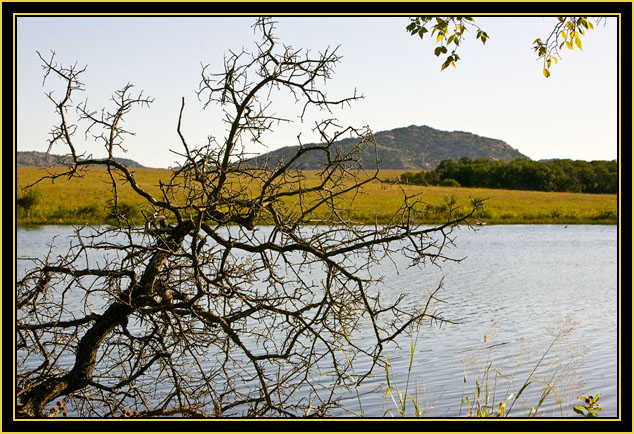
{"x": 576, "y": 176}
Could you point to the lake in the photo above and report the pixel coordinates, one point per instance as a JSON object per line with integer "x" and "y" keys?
{"x": 517, "y": 285}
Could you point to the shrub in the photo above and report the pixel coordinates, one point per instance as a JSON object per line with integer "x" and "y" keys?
{"x": 449, "y": 182}
{"x": 485, "y": 213}
{"x": 606, "y": 214}
{"x": 557, "y": 212}
{"x": 87, "y": 210}
{"x": 30, "y": 201}
{"x": 61, "y": 212}
{"x": 123, "y": 211}
{"x": 562, "y": 212}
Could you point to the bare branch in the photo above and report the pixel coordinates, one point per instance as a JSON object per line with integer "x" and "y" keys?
{"x": 246, "y": 281}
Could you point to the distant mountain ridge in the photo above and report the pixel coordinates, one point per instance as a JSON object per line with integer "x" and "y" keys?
{"x": 42, "y": 159}
{"x": 407, "y": 148}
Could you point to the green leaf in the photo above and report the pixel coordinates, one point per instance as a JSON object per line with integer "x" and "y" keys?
{"x": 578, "y": 411}
{"x": 525, "y": 385}
{"x": 584, "y": 22}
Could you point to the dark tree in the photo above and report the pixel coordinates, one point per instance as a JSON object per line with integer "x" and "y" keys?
{"x": 204, "y": 311}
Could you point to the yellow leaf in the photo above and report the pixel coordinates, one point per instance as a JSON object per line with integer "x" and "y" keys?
{"x": 555, "y": 59}
{"x": 546, "y": 73}
{"x": 439, "y": 38}
{"x": 590, "y": 26}
{"x": 578, "y": 43}
{"x": 569, "y": 44}
{"x": 564, "y": 35}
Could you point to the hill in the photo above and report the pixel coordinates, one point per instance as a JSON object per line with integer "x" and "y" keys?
{"x": 408, "y": 148}
{"x": 42, "y": 159}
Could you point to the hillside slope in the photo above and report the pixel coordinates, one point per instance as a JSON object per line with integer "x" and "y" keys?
{"x": 408, "y": 148}
{"x": 42, "y": 159}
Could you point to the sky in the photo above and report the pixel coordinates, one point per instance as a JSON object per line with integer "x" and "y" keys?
{"x": 496, "y": 90}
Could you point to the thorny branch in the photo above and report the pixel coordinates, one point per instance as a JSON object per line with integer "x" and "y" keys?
{"x": 202, "y": 311}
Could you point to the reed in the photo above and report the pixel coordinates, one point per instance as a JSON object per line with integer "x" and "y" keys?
{"x": 551, "y": 374}
{"x": 552, "y": 377}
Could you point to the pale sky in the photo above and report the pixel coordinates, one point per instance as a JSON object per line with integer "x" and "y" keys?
{"x": 496, "y": 91}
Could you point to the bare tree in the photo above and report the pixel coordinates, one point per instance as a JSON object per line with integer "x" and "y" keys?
{"x": 203, "y": 311}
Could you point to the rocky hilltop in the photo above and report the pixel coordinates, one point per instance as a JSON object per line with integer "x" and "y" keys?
{"x": 408, "y": 148}
{"x": 42, "y": 159}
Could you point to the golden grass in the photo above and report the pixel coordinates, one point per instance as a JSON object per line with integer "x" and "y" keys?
{"x": 376, "y": 199}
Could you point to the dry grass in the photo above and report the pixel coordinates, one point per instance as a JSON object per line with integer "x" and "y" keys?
{"x": 377, "y": 201}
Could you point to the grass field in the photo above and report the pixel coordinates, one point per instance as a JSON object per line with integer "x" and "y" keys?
{"x": 85, "y": 201}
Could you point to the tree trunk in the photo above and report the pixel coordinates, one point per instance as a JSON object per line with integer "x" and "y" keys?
{"x": 34, "y": 401}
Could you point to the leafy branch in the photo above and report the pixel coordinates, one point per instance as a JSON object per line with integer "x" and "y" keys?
{"x": 450, "y": 33}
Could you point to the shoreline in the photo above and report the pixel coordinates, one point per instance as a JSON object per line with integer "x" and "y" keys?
{"x": 19, "y": 224}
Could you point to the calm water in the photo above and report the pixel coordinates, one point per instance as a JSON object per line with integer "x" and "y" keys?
{"x": 508, "y": 294}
